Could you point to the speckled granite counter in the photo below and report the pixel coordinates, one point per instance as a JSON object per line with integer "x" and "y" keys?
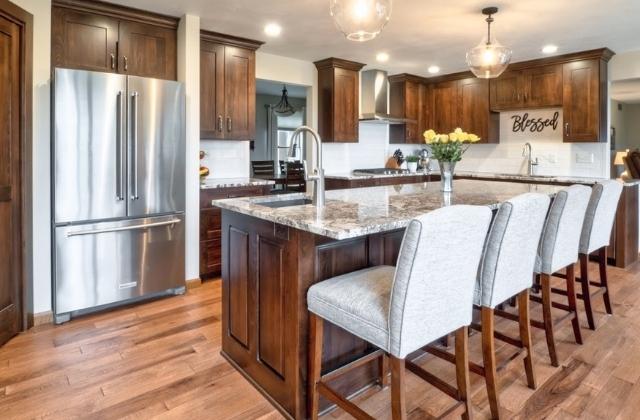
{"x": 210, "y": 183}
{"x": 359, "y": 175}
{"x": 539, "y": 178}
{"x": 362, "y": 211}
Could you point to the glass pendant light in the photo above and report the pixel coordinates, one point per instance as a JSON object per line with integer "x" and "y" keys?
{"x": 283, "y": 107}
{"x": 488, "y": 59}
{"x": 360, "y": 20}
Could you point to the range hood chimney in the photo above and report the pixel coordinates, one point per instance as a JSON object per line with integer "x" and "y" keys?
{"x": 374, "y": 99}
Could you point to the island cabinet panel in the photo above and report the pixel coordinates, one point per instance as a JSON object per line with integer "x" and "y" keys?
{"x": 581, "y": 107}
{"x": 97, "y": 36}
{"x": 227, "y": 87}
{"x": 338, "y": 100}
{"x": 266, "y": 273}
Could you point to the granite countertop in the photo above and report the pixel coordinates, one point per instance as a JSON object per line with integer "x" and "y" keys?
{"x": 359, "y": 175}
{"x": 541, "y": 178}
{"x": 361, "y": 211}
{"x": 211, "y": 183}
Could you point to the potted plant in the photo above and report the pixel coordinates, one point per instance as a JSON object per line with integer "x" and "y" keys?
{"x": 448, "y": 150}
{"x": 412, "y": 163}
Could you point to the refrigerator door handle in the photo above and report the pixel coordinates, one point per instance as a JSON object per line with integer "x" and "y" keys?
{"x": 119, "y": 159}
{"x": 134, "y": 144}
{"x": 122, "y": 228}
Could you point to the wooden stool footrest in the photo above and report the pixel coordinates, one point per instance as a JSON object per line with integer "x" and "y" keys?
{"x": 349, "y": 366}
{"x": 330, "y": 394}
{"x": 433, "y": 380}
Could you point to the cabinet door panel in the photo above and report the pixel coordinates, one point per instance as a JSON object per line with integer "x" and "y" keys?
{"x": 581, "y": 101}
{"x": 345, "y": 105}
{"x": 147, "y": 50}
{"x": 543, "y": 86}
{"x": 412, "y": 110}
{"x": 211, "y": 90}
{"x": 240, "y": 93}
{"x": 424, "y": 120}
{"x": 83, "y": 41}
{"x": 445, "y": 113}
{"x": 506, "y": 91}
{"x": 473, "y": 106}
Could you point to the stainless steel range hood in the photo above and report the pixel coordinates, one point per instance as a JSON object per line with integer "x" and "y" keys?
{"x": 374, "y": 99}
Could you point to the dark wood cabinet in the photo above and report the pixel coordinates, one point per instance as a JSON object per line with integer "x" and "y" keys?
{"x": 534, "y": 87}
{"x": 227, "y": 87}
{"x": 407, "y": 100}
{"x": 581, "y": 102}
{"x": 338, "y": 99}
{"x": 445, "y": 106}
{"x": 506, "y": 91}
{"x": 104, "y": 37}
{"x": 210, "y": 225}
{"x": 473, "y": 111}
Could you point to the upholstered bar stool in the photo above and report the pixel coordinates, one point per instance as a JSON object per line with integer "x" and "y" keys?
{"x": 558, "y": 250}
{"x": 399, "y": 310}
{"x": 506, "y": 270}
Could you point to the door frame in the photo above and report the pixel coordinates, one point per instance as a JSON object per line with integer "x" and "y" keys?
{"x": 24, "y": 20}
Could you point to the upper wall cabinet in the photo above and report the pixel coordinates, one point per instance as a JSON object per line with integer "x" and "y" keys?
{"x": 227, "y": 87}
{"x": 535, "y": 87}
{"x": 103, "y": 37}
{"x": 584, "y": 101}
{"x": 338, "y": 99}
{"x": 408, "y": 98}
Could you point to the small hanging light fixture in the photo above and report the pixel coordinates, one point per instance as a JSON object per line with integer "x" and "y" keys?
{"x": 488, "y": 59}
{"x": 283, "y": 107}
{"x": 360, "y": 20}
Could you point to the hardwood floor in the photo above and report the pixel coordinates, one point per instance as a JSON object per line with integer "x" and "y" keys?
{"x": 162, "y": 360}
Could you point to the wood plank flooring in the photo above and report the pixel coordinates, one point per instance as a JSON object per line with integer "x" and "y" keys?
{"x": 162, "y": 360}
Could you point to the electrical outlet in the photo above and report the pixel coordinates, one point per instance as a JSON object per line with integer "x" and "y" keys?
{"x": 584, "y": 157}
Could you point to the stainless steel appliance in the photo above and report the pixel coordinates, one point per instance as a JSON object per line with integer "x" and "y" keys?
{"x": 374, "y": 99}
{"x": 118, "y": 174}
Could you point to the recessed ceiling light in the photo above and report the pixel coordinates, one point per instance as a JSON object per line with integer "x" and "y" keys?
{"x": 549, "y": 49}
{"x": 382, "y": 57}
{"x": 433, "y": 69}
{"x": 272, "y": 29}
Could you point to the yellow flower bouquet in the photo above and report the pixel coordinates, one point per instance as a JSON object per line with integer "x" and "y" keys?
{"x": 449, "y": 147}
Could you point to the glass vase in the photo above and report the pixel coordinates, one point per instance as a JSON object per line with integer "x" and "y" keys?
{"x": 446, "y": 175}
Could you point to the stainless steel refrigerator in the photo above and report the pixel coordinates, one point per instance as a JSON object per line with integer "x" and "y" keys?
{"x": 118, "y": 175}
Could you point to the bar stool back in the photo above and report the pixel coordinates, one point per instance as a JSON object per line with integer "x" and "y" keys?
{"x": 506, "y": 270}
{"x": 596, "y": 233}
{"x": 559, "y": 250}
{"x": 429, "y": 294}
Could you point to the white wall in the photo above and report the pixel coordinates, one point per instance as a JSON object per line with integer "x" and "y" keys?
{"x": 189, "y": 74}
{"x": 556, "y": 157}
{"x": 625, "y": 66}
{"x": 41, "y": 219}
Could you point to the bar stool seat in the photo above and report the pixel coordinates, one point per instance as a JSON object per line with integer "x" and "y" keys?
{"x": 357, "y": 302}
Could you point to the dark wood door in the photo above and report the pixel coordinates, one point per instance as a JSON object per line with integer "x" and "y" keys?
{"x": 211, "y": 90}
{"x": 10, "y": 184}
{"x": 506, "y": 91}
{"x": 473, "y": 106}
{"x": 424, "y": 118}
{"x": 346, "y": 92}
{"x": 445, "y": 106}
{"x": 542, "y": 86}
{"x": 83, "y": 40}
{"x": 412, "y": 110}
{"x": 581, "y": 101}
{"x": 240, "y": 93}
{"x": 147, "y": 50}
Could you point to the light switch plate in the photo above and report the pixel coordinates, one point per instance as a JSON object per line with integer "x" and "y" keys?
{"x": 584, "y": 157}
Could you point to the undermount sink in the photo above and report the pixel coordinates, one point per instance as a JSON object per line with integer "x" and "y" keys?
{"x": 287, "y": 203}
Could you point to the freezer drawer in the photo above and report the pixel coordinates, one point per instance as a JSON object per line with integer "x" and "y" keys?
{"x": 103, "y": 263}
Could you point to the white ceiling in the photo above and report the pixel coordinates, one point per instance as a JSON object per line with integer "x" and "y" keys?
{"x": 266, "y": 87}
{"x": 421, "y": 32}
{"x": 627, "y": 91}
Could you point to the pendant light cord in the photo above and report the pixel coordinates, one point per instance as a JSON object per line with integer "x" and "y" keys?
{"x": 489, "y": 21}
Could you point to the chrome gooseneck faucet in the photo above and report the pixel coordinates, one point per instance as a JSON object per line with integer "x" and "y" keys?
{"x": 318, "y": 173}
{"x": 531, "y": 163}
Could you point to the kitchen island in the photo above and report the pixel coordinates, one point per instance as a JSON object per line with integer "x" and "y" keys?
{"x": 274, "y": 248}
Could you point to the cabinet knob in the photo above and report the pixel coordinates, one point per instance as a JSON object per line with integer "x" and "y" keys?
{"x": 220, "y": 123}
{"x": 566, "y": 129}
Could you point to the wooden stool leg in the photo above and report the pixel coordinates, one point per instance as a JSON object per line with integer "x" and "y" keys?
{"x": 398, "y": 399}
{"x": 586, "y": 293}
{"x": 315, "y": 364}
{"x": 383, "y": 370}
{"x": 489, "y": 357}
{"x": 545, "y": 285}
{"x": 573, "y": 303}
{"x": 462, "y": 370}
{"x": 603, "y": 279}
{"x": 525, "y": 336}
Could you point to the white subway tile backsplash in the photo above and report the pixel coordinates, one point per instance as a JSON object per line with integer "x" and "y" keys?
{"x": 226, "y": 159}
